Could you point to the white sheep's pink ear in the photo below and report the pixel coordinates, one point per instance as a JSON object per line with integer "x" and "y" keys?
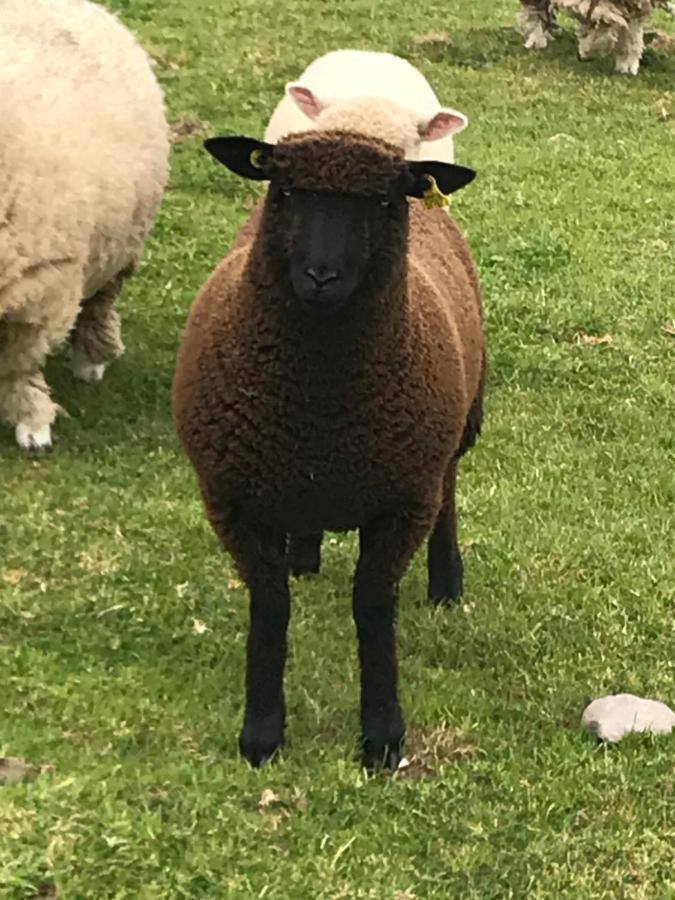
{"x": 444, "y": 123}
{"x": 305, "y": 100}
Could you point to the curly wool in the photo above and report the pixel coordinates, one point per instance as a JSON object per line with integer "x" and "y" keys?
{"x": 309, "y": 425}
{"x": 374, "y": 117}
{"x": 83, "y": 164}
{"x": 613, "y": 27}
{"x": 611, "y": 12}
{"x": 383, "y": 84}
{"x": 362, "y": 165}
{"x": 603, "y": 23}
{"x": 595, "y": 12}
{"x": 299, "y": 422}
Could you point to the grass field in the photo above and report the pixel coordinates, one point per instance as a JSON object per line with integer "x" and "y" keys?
{"x": 567, "y": 508}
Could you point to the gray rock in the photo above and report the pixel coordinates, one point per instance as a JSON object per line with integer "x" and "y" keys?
{"x": 610, "y": 718}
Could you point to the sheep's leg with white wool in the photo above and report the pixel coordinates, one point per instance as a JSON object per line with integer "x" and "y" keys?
{"x": 386, "y": 547}
{"x": 97, "y": 339}
{"x": 596, "y": 40}
{"x": 629, "y": 49}
{"x": 26, "y": 404}
{"x": 536, "y": 22}
{"x": 25, "y": 401}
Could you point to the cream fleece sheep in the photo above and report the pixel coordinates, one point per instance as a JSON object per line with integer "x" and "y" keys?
{"x": 606, "y": 27}
{"x": 83, "y": 164}
{"x": 376, "y": 94}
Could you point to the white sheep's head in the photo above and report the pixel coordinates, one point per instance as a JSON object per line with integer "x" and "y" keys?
{"x": 377, "y": 117}
{"x": 335, "y": 221}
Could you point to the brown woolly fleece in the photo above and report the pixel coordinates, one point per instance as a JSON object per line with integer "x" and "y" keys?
{"x": 300, "y": 422}
{"x": 364, "y": 165}
{"x": 305, "y": 423}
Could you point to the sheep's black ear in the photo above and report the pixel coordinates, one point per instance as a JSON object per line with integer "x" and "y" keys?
{"x": 242, "y": 155}
{"x": 447, "y": 176}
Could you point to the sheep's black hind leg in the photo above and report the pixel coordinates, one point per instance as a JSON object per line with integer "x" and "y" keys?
{"x": 387, "y": 545}
{"x": 304, "y": 554}
{"x": 444, "y": 558}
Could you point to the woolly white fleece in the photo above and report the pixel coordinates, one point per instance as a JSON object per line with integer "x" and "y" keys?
{"x": 83, "y": 164}
{"x": 377, "y": 118}
{"x": 350, "y": 74}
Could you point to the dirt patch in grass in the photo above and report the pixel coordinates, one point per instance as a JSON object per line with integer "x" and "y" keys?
{"x": 45, "y": 892}
{"x": 427, "y": 751}
{"x": 185, "y": 128}
{"x": 432, "y": 45}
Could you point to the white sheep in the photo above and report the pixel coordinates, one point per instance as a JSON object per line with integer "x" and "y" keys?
{"x": 83, "y": 164}
{"x": 377, "y": 94}
{"x": 613, "y": 27}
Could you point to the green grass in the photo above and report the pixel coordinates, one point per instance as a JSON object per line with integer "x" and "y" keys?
{"x": 566, "y": 507}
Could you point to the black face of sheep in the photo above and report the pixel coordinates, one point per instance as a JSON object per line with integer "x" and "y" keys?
{"x": 337, "y": 239}
{"x": 345, "y": 233}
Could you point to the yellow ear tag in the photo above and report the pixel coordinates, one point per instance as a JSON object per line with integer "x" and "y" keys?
{"x": 256, "y": 159}
{"x": 434, "y": 198}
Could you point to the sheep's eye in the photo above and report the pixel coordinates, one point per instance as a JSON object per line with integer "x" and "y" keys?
{"x": 286, "y": 191}
{"x": 385, "y": 203}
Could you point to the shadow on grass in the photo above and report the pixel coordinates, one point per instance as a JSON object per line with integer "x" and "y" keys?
{"x": 131, "y": 405}
{"x": 476, "y": 48}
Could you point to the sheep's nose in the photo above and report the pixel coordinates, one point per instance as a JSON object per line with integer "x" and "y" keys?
{"x": 321, "y": 277}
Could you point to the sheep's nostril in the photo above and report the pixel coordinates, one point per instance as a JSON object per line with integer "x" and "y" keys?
{"x": 321, "y": 277}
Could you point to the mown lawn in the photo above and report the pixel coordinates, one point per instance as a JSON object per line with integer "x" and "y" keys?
{"x": 567, "y": 510}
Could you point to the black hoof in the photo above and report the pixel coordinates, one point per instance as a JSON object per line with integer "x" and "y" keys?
{"x": 446, "y": 585}
{"x": 448, "y": 597}
{"x": 384, "y": 757}
{"x": 304, "y": 555}
{"x": 382, "y": 739}
{"x": 260, "y": 739}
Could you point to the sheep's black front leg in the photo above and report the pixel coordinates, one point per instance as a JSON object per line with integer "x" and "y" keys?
{"x": 386, "y": 548}
{"x": 262, "y": 559}
{"x": 444, "y": 558}
{"x": 304, "y": 554}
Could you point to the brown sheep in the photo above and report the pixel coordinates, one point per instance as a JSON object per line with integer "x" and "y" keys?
{"x": 330, "y": 377}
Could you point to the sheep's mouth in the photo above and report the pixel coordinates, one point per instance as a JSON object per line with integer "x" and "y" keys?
{"x": 322, "y": 302}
